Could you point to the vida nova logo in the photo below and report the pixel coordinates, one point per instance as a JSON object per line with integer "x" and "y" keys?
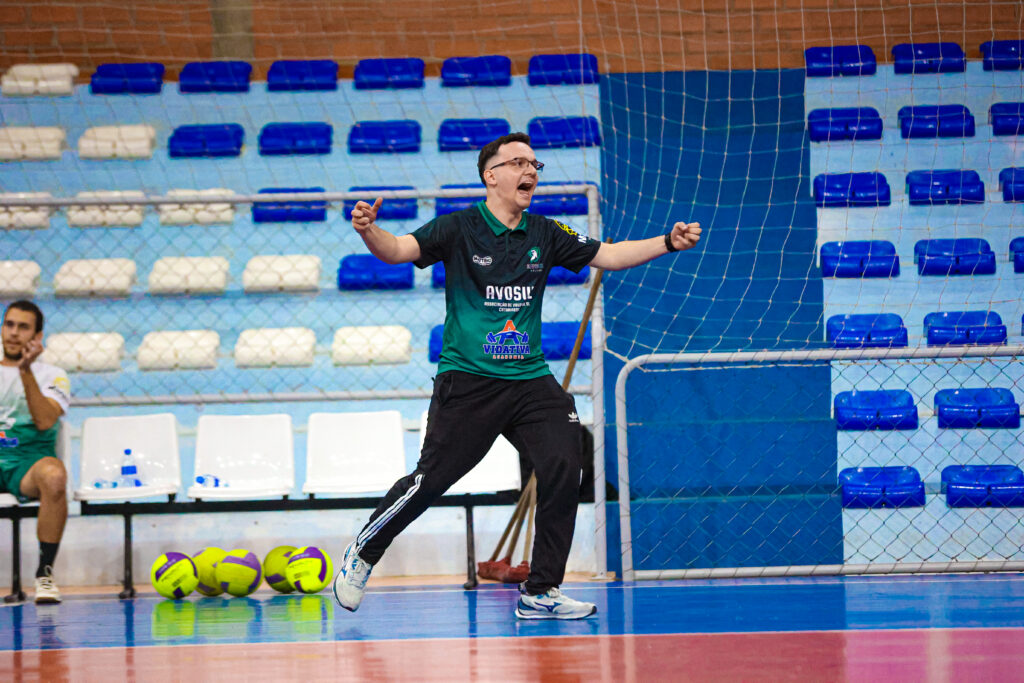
{"x": 482, "y": 260}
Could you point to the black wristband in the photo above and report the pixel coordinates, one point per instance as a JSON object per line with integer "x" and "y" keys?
{"x": 668, "y": 243}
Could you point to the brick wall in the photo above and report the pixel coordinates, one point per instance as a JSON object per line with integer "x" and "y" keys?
{"x": 628, "y": 35}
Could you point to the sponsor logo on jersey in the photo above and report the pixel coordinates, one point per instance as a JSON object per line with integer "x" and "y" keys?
{"x": 6, "y": 441}
{"x": 482, "y": 260}
{"x": 62, "y": 386}
{"x": 509, "y": 292}
{"x": 508, "y": 344}
{"x": 534, "y": 259}
{"x": 565, "y": 228}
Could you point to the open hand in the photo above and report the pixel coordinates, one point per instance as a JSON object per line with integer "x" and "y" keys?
{"x": 685, "y": 235}
{"x": 364, "y": 215}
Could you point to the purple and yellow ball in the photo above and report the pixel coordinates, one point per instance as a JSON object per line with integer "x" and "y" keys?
{"x": 174, "y": 575}
{"x": 309, "y": 569}
{"x": 239, "y": 573}
{"x": 274, "y": 565}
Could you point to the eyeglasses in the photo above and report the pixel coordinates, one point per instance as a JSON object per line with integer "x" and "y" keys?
{"x": 521, "y": 163}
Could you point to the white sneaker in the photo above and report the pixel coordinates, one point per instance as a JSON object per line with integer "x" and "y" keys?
{"x": 46, "y": 590}
{"x": 350, "y": 584}
{"x": 553, "y": 605}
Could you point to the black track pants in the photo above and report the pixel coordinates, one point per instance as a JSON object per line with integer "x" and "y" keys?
{"x": 467, "y": 413}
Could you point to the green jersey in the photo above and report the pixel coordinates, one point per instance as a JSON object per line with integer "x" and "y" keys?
{"x": 19, "y": 438}
{"x": 494, "y": 285}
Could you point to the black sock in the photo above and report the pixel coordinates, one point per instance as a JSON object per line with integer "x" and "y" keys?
{"x": 47, "y": 555}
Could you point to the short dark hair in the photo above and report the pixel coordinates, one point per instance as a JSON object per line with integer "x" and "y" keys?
{"x": 491, "y": 148}
{"x": 29, "y": 307}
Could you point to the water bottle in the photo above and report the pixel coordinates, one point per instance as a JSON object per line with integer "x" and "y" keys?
{"x": 210, "y": 482}
{"x": 129, "y": 472}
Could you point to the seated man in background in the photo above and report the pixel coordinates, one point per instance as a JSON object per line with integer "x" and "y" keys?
{"x": 33, "y": 396}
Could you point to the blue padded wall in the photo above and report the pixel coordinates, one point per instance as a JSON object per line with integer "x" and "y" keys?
{"x": 731, "y": 152}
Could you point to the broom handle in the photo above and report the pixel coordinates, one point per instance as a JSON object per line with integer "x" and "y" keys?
{"x": 517, "y": 517}
{"x": 528, "y": 492}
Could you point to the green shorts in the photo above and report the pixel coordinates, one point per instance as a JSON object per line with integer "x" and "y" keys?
{"x": 12, "y": 472}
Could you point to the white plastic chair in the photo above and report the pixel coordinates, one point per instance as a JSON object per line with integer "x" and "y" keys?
{"x": 354, "y": 452}
{"x": 153, "y": 440}
{"x": 253, "y": 454}
{"x": 498, "y": 471}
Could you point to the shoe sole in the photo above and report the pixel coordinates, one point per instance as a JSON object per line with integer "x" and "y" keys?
{"x": 47, "y": 601}
{"x": 334, "y": 589}
{"x": 550, "y": 616}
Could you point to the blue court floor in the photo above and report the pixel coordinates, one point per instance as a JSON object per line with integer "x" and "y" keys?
{"x": 852, "y": 628}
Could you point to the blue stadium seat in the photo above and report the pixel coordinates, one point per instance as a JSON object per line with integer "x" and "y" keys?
{"x": 462, "y": 134}
{"x": 881, "y": 487}
{"x": 845, "y": 123}
{"x": 1011, "y": 182}
{"x": 570, "y": 69}
{"x": 390, "y": 209}
{"x": 945, "y": 121}
{"x": 564, "y": 276}
{"x": 211, "y": 140}
{"x": 289, "y": 212}
{"x": 446, "y": 205}
{"x": 296, "y": 138}
{"x": 840, "y": 60}
{"x": 928, "y": 58}
{"x": 1007, "y": 118}
{"x": 963, "y": 256}
{"x": 866, "y": 330}
{"x": 964, "y": 327}
{"x": 437, "y": 275}
{"x": 1017, "y": 254}
{"x": 492, "y": 70}
{"x": 563, "y": 131}
{"x": 436, "y": 342}
{"x": 199, "y": 77}
{"x": 303, "y": 74}
{"x": 859, "y": 258}
{"x": 560, "y": 204}
{"x": 1002, "y": 55}
{"x": 977, "y": 486}
{"x": 851, "y": 189}
{"x": 885, "y": 409}
{"x": 117, "y": 79}
{"x": 392, "y": 73}
{"x": 382, "y": 137}
{"x": 358, "y": 272}
{"x": 945, "y": 186}
{"x": 557, "y": 340}
{"x": 992, "y": 408}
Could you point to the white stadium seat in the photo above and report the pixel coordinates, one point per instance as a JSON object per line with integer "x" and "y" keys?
{"x": 498, "y": 471}
{"x": 34, "y": 217}
{"x": 106, "y": 215}
{"x": 84, "y": 351}
{"x": 117, "y": 142}
{"x": 19, "y": 143}
{"x": 189, "y": 275}
{"x": 18, "y": 278}
{"x": 95, "y": 277}
{"x": 354, "y": 452}
{"x": 371, "y": 345}
{"x": 253, "y": 454}
{"x": 274, "y": 347}
{"x": 153, "y": 440}
{"x": 39, "y": 79}
{"x": 197, "y": 214}
{"x": 184, "y": 350}
{"x": 295, "y": 272}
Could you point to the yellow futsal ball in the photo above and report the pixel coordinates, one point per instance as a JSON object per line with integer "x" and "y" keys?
{"x": 206, "y": 561}
{"x": 239, "y": 573}
{"x": 309, "y": 569}
{"x": 174, "y": 575}
{"x": 274, "y": 565}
